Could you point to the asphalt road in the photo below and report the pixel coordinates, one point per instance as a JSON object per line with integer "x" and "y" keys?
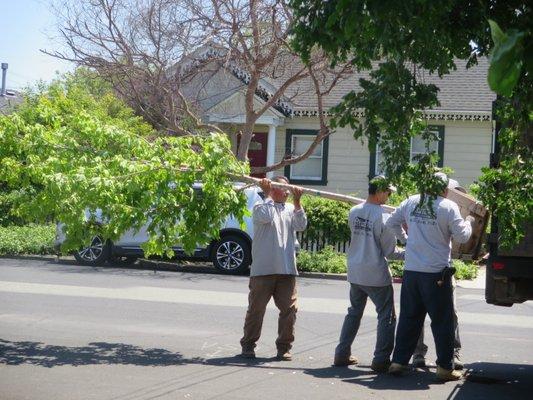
{"x": 74, "y": 332}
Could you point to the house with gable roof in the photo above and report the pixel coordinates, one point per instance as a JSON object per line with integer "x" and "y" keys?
{"x": 341, "y": 164}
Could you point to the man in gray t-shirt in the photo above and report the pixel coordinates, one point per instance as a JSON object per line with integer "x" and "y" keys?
{"x": 273, "y": 271}
{"x": 369, "y": 276}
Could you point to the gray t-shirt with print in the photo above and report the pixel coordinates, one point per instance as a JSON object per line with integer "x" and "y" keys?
{"x": 371, "y": 241}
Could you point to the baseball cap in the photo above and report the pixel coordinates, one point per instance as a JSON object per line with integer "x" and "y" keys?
{"x": 380, "y": 183}
{"x": 450, "y": 183}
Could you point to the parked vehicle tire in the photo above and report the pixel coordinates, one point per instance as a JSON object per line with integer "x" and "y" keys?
{"x": 231, "y": 254}
{"x": 97, "y": 253}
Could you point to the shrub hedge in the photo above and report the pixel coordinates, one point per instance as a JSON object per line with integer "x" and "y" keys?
{"x": 29, "y": 239}
{"x": 329, "y": 261}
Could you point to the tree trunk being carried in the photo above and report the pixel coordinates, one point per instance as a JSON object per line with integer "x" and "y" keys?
{"x": 467, "y": 206}
{"x": 313, "y": 192}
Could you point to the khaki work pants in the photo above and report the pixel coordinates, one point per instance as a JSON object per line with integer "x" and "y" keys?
{"x": 262, "y": 288}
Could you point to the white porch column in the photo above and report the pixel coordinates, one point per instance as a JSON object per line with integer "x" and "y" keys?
{"x": 271, "y": 147}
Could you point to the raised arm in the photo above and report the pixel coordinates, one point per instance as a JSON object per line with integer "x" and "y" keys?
{"x": 388, "y": 243}
{"x": 263, "y": 212}
{"x": 460, "y": 229}
{"x": 299, "y": 219}
{"x": 396, "y": 220}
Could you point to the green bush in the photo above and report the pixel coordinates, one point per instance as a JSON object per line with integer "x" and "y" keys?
{"x": 396, "y": 268}
{"x": 327, "y": 260}
{"x": 326, "y": 216}
{"x": 465, "y": 270}
{"x": 29, "y": 239}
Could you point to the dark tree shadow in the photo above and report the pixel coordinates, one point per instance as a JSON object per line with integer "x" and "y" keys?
{"x": 481, "y": 380}
{"x": 35, "y": 353}
{"x": 419, "y": 379}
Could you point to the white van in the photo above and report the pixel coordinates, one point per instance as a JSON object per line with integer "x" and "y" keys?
{"x": 231, "y": 253}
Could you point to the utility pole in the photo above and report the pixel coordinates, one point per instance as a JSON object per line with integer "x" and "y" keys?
{"x": 4, "y": 74}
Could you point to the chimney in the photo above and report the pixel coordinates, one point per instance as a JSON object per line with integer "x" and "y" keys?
{"x": 4, "y": 73}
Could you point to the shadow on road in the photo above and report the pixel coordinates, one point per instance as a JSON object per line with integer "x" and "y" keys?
{"x": 483, "y": 380}
{"x": 35, "y": 353}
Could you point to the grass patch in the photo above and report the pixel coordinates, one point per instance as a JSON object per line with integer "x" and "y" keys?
{"x": 28, "y": 239}
{"x": 326, "y": 260}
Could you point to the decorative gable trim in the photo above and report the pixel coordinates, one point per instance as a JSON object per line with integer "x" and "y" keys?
{"x": 437, "y": 115}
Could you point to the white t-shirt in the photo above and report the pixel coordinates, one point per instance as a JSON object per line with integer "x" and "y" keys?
{"x": 429, "y": 235}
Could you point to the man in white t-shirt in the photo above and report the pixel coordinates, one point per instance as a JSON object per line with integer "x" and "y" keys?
{"x": 427, "y": 280}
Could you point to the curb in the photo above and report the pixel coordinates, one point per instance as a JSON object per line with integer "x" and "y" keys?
{"x": 158, "y": 265}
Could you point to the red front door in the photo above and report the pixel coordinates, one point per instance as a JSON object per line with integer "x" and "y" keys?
{"x": 257, "y": 152}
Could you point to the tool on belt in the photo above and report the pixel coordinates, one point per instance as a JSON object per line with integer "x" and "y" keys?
{"x": 446, "y": 272}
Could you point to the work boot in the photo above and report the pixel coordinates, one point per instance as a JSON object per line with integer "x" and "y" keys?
{"x": 247, "y": 354}
{"x": 379, "y": 367}
{"x": 398, "y": 369}
{"x": 448, "y": 374}
{"x": 419, "y": 362}
{"x": 344, "y": 361}
{"x": 457, "y": 363}
{"x": 284, "y": 356}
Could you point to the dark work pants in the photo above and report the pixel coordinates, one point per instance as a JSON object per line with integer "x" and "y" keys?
{"x": 420, "y": 295}
{"x": 421, "y": 348}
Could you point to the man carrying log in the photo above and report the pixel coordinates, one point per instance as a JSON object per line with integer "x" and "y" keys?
{"x": 427, "y": 279}
{"x": 369, "y": 276}
{"x": 419, "y": 356}
{"x": 273, "y": 270}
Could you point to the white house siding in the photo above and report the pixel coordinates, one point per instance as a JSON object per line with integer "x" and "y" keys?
{"x": 467, "y": 148}
{"x": 347, "y": 162}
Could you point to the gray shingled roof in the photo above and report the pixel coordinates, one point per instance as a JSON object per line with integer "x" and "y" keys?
{"x": 461, "y": 90}
{"x": 9, "y": 101}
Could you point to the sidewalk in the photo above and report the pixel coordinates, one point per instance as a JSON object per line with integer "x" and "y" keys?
{"x": 478, "y": 283}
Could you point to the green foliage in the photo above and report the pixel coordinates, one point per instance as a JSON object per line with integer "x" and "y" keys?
{"x": 396, "y": 268}
{"x": 465, "y": 270}
{"x": 7, "y": 212}
{"x": 327, "y": 216}
{"x": 327, "y": 260}
{"x": 507, "y": 59}
{"x": 394, "y": 40}
{"x": 508, "y": 189}
{"x": 29, "y": 239}
{"x": 70, "y": 153}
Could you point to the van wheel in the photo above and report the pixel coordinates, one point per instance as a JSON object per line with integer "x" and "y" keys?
{"x": 97, "y": 253}
{"x": 231, "y": 254}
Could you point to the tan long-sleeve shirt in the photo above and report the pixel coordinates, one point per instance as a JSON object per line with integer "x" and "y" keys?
{"x": 273, "y": 246}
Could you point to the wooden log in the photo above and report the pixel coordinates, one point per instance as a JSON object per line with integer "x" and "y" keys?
{"x": 313, "y": 192}
{"x": 468, "y": 205}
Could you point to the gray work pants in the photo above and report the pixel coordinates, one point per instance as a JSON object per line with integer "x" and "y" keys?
{"x": 383, "y": 300}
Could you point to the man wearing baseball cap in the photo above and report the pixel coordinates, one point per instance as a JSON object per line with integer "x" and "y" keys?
{"x": 369, "y": 276}
{"x": 427, "y": 281}
{"x": 419, "y": 356}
